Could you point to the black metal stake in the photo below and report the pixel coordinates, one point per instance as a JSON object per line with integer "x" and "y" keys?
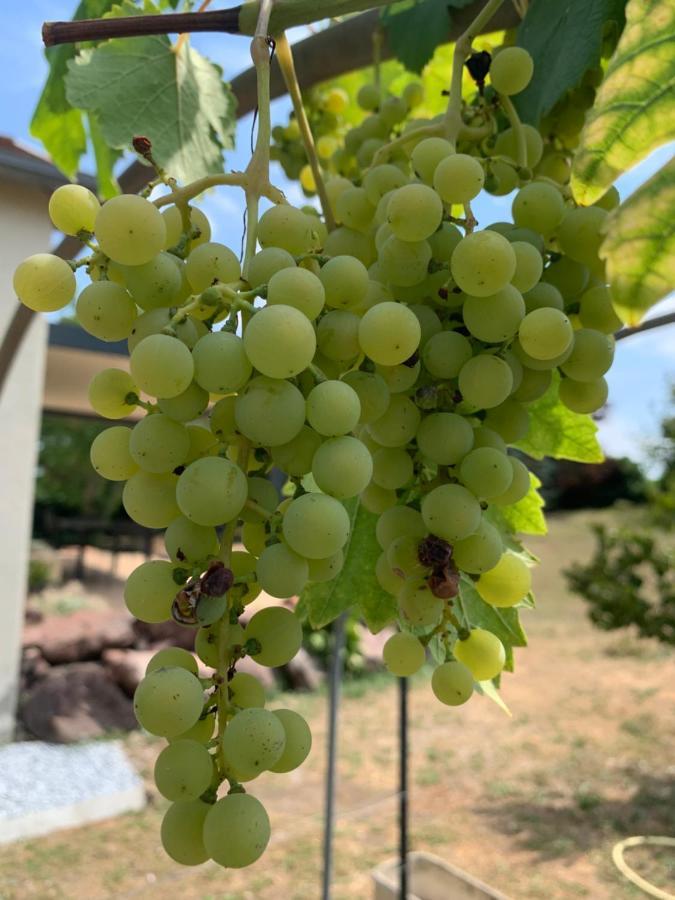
{"x": 403, "y": 787}
{"x": 335, "y": 678}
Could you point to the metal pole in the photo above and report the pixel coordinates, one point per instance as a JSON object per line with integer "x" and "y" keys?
{"x": 403, "y": 786}
{"x": 335, "y": 678}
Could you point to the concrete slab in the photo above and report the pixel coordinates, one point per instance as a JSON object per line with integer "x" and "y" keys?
{"x": 47, "y": 787}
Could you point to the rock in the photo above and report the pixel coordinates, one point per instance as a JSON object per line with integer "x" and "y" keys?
{"x": 81, "y": 635}
{"x": 33, "y": 667}
{"x": 76, "y": 702}
{"x": 127, "y": 667}
{"x": 166, "y": 633}
{"x": 370, "y": 646}
{"x": 264, "y": 674}
{"x": 302, "y": 672}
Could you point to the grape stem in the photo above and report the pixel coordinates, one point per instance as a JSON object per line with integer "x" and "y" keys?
{"x": 287, "y": 66}
{"x": 518, "y": 130}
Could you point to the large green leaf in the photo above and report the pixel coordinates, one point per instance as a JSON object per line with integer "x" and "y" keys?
{"x": 416, "y": 27}
{"x": 640, "y": 246}
{"x": 564, "y": 40}
{"x": 503, "y": 623}
{"x": 558, "y": 432}
{"x": 139, "y": 86}
{"x": 634, "y": 111}
{"x": 55, "y": 122}
{"x": 105, "y": 157}
{"x": 526, "y": 516}
{"x": 356, "y": 584}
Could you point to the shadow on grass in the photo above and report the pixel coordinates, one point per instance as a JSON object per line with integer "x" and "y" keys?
{"x": 577, "y": 824}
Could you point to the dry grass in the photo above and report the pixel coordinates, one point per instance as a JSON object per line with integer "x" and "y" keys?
{"x": 531, "y": 804}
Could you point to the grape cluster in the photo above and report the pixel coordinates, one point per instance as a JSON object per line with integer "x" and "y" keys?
{"x": 392, "y": 359}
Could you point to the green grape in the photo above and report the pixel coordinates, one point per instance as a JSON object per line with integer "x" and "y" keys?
{"x": 211, "y": 262}
{"x": 150, "y": 591}
{"x": 596, "y": 310}
{"x": 527, "y": 236}
{"x": 206, "y": 646}
{"x": 281, "y": 572}
{"x": 345, "y": 281}
{"x": 202, "y": 443}
{"x": 539, "y": 206}
{"x": 295, "y": 457}
{"x": 316, "y": 525}
{"x": 393, "y": 111}
{"x": 221, "y": 364}
{"x": 372, "y": 392}
{"x": 609, "y": 200}
{"x": 486, "y": 437}
{"x": 173, "y": 222}
{"x": 399, "y": 521}
{"x": 130, "y": 229}
{"x": 222, "y": 420}
{"x": 510, "y": 420}
{"x": 377, "y": 499}
{"x": 375, "y": 294}
{"x": 182, "y": 832}
{"x": 262, "y": 492}
{"x": 110, "y": 456}
{"x": 162, "y": 366}
{"x": 266, "y": 263}
{"x": 503, "y": 178}
{"x": 73, "y": 208}
{"x": 583, "y": 396}
{"x": 516, "y": 368}
{"x": 253, "y": 537}
{"x": 568, "y": 276}
{"x": 507, "y": 145}
{"x": 280, "y": 341}
{"x": 511, "y": 70}
{"x": 545, "y": 333}
{"x": 389, "y": 333}
{"x": 413, "y": 94}
{"x": 591, "y": 355}
{"x": 246, "y": 691}
{"x": 554, "y": 165}
{"x": 543, "y": 295}
{"x": 404, "y": 263}
{"x": 366, "y": 152}
{"x": 279, "y": 633}
{"x": 581, "y": 232}
{"x": 168, "y": 701}
{"x": 336, "y": 185}
{"x": 236, "y": 831}
{"x": 403, "y": 654}
{"x": 286, "y": 227}
{"x": 156, "y": 283}
{"x": 169, "y": 657}
{"x": 480, "y": 551}
{"x": 392, "y": 468}
{"x": 445, "y": 353}
{"x": 485, "y": 381}
{"x": 451, "y": 512}
{"x": 380, "y": 180}
{"x": 44, "y": 283}
{"x": 533, "y": 385}
{"x": 211, "y": 491}
{"x": 507, "y": 583}
{"x": 201, "y": 731}
{"x": 150, "y": 499}
{"x": 155, "y": 321}
{"x": 483, "y": 263}
{"x": 298, "y": 288}
{"x": 388, "y": 580}
{"x": 298, "y": 741}
{"x": 185, "y": 540}
{"x": 399, "y": 379}
{"x": 482, "y": 653}
{"x": 342, "y": 467}
{"x": 183, "y": 770}
{"x": 459, "y": 178}
{"x": 253, "y": 741}
{"x": 368, "y": 97}
{"x": 486, "y": 472}
{"x": 417, "y": 605}
{"x": 186, "y": 406}
{"x": 426, "y": 156}
{"x": 414, "y": 212}
{"x": 519, "y": 487}
{"x": 354, "y": 209}
{"x": 496, "y": 318}
{"x": 348, "y": 242}
{"x": 529, "y": 265}
{"x": 398, "y": 425}
{"x": 269, "y": 412}
{"x": 333, "y": 408}
{"x": 321, "y": 570}
{"x": 452, "y": 683}
{"x": 429, "y": 322}
{"x": 244, "y": 564}
{"x": 539, "y": 365}
{"x": 444, "y": 438}
{"x": 337, "y": 335}
{"x": 159, "y": 444}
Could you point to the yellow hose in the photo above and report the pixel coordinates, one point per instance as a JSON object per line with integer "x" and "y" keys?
{"x": 631, "y": 874}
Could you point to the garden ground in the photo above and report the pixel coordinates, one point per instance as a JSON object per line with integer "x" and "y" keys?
{"x": 531, "y": 804}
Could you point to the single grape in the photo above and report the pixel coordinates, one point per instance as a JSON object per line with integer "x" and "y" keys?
{"x": 159, "y": 444}
{"x": 413, "y": 94}
{"x": 243, "y": 564}
{"x": 542, "y": 295}
{"x": 155, "y": 284}
{"x": 186, "y": 406}
{"x": 269, "y": 412}
{"x": 480, "y": 551}
{"x": 173, "y": 222}
{"x": 368, "y": 97}
{"x": 236, "y": 831}
{"x": 211, "y": 491}
{"x": 348, "y": 242}
{"x": 539, "y": 206}
{"x": 388, "y": 580}
{"x": 417, "y": 605}
{"x": 337, "y": 335}
{"x": 183, "y": 770}
{"x": 130, "y": 229}
{"x": 182, "y": 832}
{"x": 583, "y": 396}
{"x": 398, "y": 425}
{"x": 596, "y": 310}
{"x": 316, "y": 525}
{"x": 426, "y": 156}
{"x": 333, "y": 408}
{"x": 246, "y": 691}
{"x": 459, "y": 178}
{"x": 392, "y": 468}
{"x": 162, "y": 366}
{"x": 414, "y": 212}
{"x": 445, "y": 353}
{"x": 451, "y": 512}
{"x": 202, "y": 443}
{"x": 506, "y": 145}
{"x": 221, "y": 363}
{"x": 295, "y": 458}
{"x": 321, "y": 570}
{"x": 343, "y": 467}
{"x": 44, "y": 283}
{"x": 150, "y": 591}
{"x": 545, "y": 333}
{"x": 150, "y": 499}
{"x": 399, "y": 521}
{"x": 296, "y": 287}
{"x": 511, "y": 70}
{"x": 403, "y": 654}
{"x": 482, "y": 653}
{"x": 110, "y": 456}
{"x": 485, "y": 381}
{"x": 533, "y": 385}
{"x": 345, "y": 282}
{"x": 509, "y": 419}
{"x": 389, "y": 333}
{"x": 266, "y": 263}
{"x": 519, "y": 487}
{"x": 404, "y": 263}
{"x": 280, "y": 341}
{"x": 452, "y": 683}
{"x": 108, "y": 392}
{"x": 581, "y": 232}
{"x": 529, "y": 265}
{"x": 281, "y": 572}
{"x": 168, "y": 701}
{"x": 591, "y": 356}
{"x": 568, "y": 276}
{"x": 444, "y": 241}
{"x": 285, "y": 227}
{"x": 354, "y": 209}
{"x": 262, "y": 492}
{"x": 201, "y": 731}
{"x": 507, "y": 583}
{"x": 380, "y": 180}
{"x": 496, "y": 318}
{"x": 211, "y": 262}
{"x": 253, "y": 741}
{"x": 486, "y": 437}
{"x": 298, "y": 741}
{"x": 372, "y": 392}
{"x": 483, "y": 263}
{"x": 186, "y": 541}
{"x": 155, "y": 321}
{"x": 279, "y": 633}
{"x": 486, "y": 472}
{"x": 73, "y": 208}
{"x": 172, "y": 656}
{"x": 444, "y": 438}
{"x": 377, "y": 499}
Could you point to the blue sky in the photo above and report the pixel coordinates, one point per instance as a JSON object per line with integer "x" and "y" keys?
{"x": 645, "y": 365}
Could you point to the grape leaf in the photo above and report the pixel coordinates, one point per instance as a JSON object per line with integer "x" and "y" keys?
{"x": 503, "y": 623}
{"x": 558, "y": 432}
{"x": 527, "y": 515}
{"x": 105, "y": 157}
{"x": 634, "y": 111}
{"x": 356, "y": 584}
{"x": 489, "y": 690}
{"x": 564, "y": 40}
{"x": 178, "y": 100}
{"x": 416, "y": 27}
{"x": 640, "y": 246}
